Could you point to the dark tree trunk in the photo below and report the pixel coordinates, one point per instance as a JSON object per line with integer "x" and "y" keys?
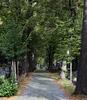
{"x": 23, "y": 65}
{"x": 50, "y": 57}
{"x": 75, "y": 63}
{"x": 30, "y": 50}
{"x": 31, "y": 59}
{"x": 81, "y": 87}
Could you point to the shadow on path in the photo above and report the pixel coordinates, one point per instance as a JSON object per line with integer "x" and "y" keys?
{"x": 42, "y": 87}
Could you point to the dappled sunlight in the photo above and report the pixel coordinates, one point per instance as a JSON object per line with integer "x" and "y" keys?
{"x": 32, "y": 98}
{"x": 37, "y": 86}
{"x": 43, "y": 87}
{"x": 44, "y": 79}
{"x": 38, "y": 98}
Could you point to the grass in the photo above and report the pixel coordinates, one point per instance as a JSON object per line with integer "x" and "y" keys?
{"x": 68, "y": 86}
{"x": 64, "y": 84}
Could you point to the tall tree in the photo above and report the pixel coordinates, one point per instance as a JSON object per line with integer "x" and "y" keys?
{"x": 81, "y": 87}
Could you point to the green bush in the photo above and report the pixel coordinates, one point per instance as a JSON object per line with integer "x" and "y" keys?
{"x": 7, "y": 88}
{"x": 1, "y": 80}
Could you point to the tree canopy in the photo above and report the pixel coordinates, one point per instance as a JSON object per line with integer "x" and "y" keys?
{"x": 47, "y": 28}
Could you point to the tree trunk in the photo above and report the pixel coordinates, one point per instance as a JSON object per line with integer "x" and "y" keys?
{"x": 71, "y": 78}
{"x": 50, "y": 57}
{"x": 13, "y": 68}
{"x": 63, "y": 70}
{"x": 17, "y": 71}
{"x": 81, "y": 87}
{"x": 31, "y": 60}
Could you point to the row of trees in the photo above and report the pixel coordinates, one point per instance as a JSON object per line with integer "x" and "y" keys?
{"x": 48, "y": 29}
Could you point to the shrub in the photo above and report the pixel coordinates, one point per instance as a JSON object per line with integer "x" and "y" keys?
{"x": 7, "y": 88}
{"x": 1, "y": 80}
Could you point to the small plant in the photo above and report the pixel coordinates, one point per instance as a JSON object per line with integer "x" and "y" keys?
{"x": 7, "y": 88}
{"x": 1, "y": 80}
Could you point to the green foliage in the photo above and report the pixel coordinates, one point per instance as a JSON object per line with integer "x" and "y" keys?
{"x": 1, "y": 80}
{"x": 65, "y": 28}
{"x": 39, "y": 24}
{"x": 11, "y": 43}
{"x": 7, "y": 87}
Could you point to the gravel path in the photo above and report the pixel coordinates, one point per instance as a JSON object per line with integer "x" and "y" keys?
{"x": 42, "y": 87}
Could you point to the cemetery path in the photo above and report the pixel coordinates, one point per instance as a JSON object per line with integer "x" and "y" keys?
{"x": 42, "y": 87}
